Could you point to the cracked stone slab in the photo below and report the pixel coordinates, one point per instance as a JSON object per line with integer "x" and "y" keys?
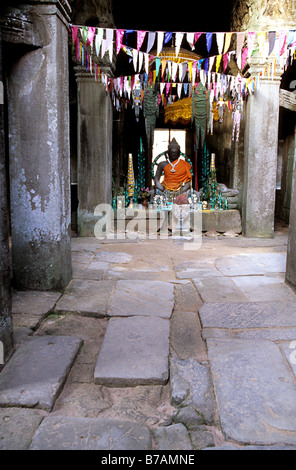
{"x": 30, "y": 307}
{"x": 248, "y": 315}
{"x": 37, "y": 371}
{"x": 135, "y": 351}
{"x": 255, "y": 390}
{"x": 67, "y": 433}
{"x": 145, "y": 298}
{"x": 191, "y": 385}
{"x": 85, "y": 296}
{"x": 17, "y": 427}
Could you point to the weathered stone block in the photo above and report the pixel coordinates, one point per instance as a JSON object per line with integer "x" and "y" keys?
{"x": 134, "y": 352}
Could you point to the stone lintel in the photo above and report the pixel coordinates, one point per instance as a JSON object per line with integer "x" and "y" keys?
{"x": 288, "y": 100}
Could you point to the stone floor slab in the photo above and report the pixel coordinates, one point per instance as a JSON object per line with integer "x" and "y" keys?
{"x": 243, "y": 315}
{"x": 255, "y": 390}
{"x": 17, "y": 427}
{"x": 263, "y": 288}
{"x": 86, "y": 297}
{"x": 145, "y": 298}
{"x": 30, "y": 307}
{"x": 37, "y": 371}
{"x": 66, "y": 433}
{"x": 113, "y": 257}
{"x": 252, "y": 264}
{"x": 219, "y": 289}
{"x": 134, "y": 352}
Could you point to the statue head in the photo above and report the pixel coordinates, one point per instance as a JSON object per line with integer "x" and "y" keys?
{"x": 174, "y": 150}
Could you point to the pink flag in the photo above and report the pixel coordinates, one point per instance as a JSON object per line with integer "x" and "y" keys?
{"x": 119, "y": 36}
{"x": 225, "y": 61}
{"x": 244, "y": 56}
{"x": 196, "y": 36}
{"x": 282, "y": 42}
{"x": 74, "y": 33}
{"x": 140, "y": 39}
{"x": 91, "y": 31}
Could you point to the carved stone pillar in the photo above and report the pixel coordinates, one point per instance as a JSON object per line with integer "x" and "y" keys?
{"x": 6, "y": 337}
{"x": 94, "y": 168}
{"x": 291, "y": 252}
{"x": 39, "y": 151}
{"x": 260, "y": 159}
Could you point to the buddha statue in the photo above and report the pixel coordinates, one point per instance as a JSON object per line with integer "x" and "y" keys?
{"x": 177, "y": 174}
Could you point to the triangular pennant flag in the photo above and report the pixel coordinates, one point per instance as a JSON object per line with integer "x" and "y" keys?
{"x": 163, "y": 66}
{"x": 190, "y": 70}
{"x": 185, "y": 88}
{"x": 109, "y": 42}
{"x": 261, "y": 41}
{"x": 227, "y": 42}
{"x": 146, "y": 56}
{"x": 140, "y": 39}
{"x": 161, "y": 87}
{"x": 179, "y": 89}
{"x": 174, "y": 70}
{"x": 203, "y": 76}
{"x": 244, "y": 57}
{"x": 98, "y": 40}
{"x": 74, "y": 33}
{"x": 119, "y": 37}
{"x": 220, "y": 42}
{"x": 160, "y": 37}
{"x": 218, "y": 61}
{"x": 169, "y": 69}
{"x": 282, "y": 41}
{"x": 178, "y": 42}
{"x": 157, "y": 65}
{"x": 240, "y": 37}
{"x": 91, "y": 31}
{"x": 271, "y": 41}
{"x": 184, "y": 70}
{"x": 84, "y": 32}
{"x": 167, "y": 37}
{"x": 225, "y": 61}
{"x": 103, "y": 48}
{"x": 151, "y": 39}
{"x": 211, "y": 63}
{"x": 197, "y": 36}
{"x": 193, "y": 77}
{"x": 135, "y": 59}
{"x": 251, "y": 40}
{"x": 190, "y": 39}
{"x": 140, "y": 60}
{"x": 209, "y": 38}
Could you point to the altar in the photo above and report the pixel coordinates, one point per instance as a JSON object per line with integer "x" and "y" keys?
{"x": 149, "y": 223}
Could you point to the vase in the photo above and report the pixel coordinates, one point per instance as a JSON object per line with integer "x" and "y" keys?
{"x": 145, "y": 203}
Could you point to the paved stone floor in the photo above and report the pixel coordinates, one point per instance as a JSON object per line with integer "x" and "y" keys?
{"x": 154, "y": 345}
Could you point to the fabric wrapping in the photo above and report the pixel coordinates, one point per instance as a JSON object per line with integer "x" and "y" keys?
{"x": 200, "y": 113}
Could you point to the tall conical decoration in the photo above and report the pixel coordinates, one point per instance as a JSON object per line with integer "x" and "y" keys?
{"x": 130, "y": 177}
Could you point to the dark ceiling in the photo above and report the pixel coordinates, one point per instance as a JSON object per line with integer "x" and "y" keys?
{"x": 185, "y": 16}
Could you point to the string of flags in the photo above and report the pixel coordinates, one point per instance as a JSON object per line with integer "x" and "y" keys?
{"x": 94, "y": 43}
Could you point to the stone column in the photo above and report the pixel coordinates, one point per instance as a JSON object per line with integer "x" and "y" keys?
{"x": 38, "y": 112}
{"x": 94, "y": 168}
{"x": 291, "y": 252}
{"x": 260, "y": 160}
{"x": 6, "y": 337}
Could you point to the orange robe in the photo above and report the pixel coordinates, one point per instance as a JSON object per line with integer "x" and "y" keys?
{"x": 173, "y": 181}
